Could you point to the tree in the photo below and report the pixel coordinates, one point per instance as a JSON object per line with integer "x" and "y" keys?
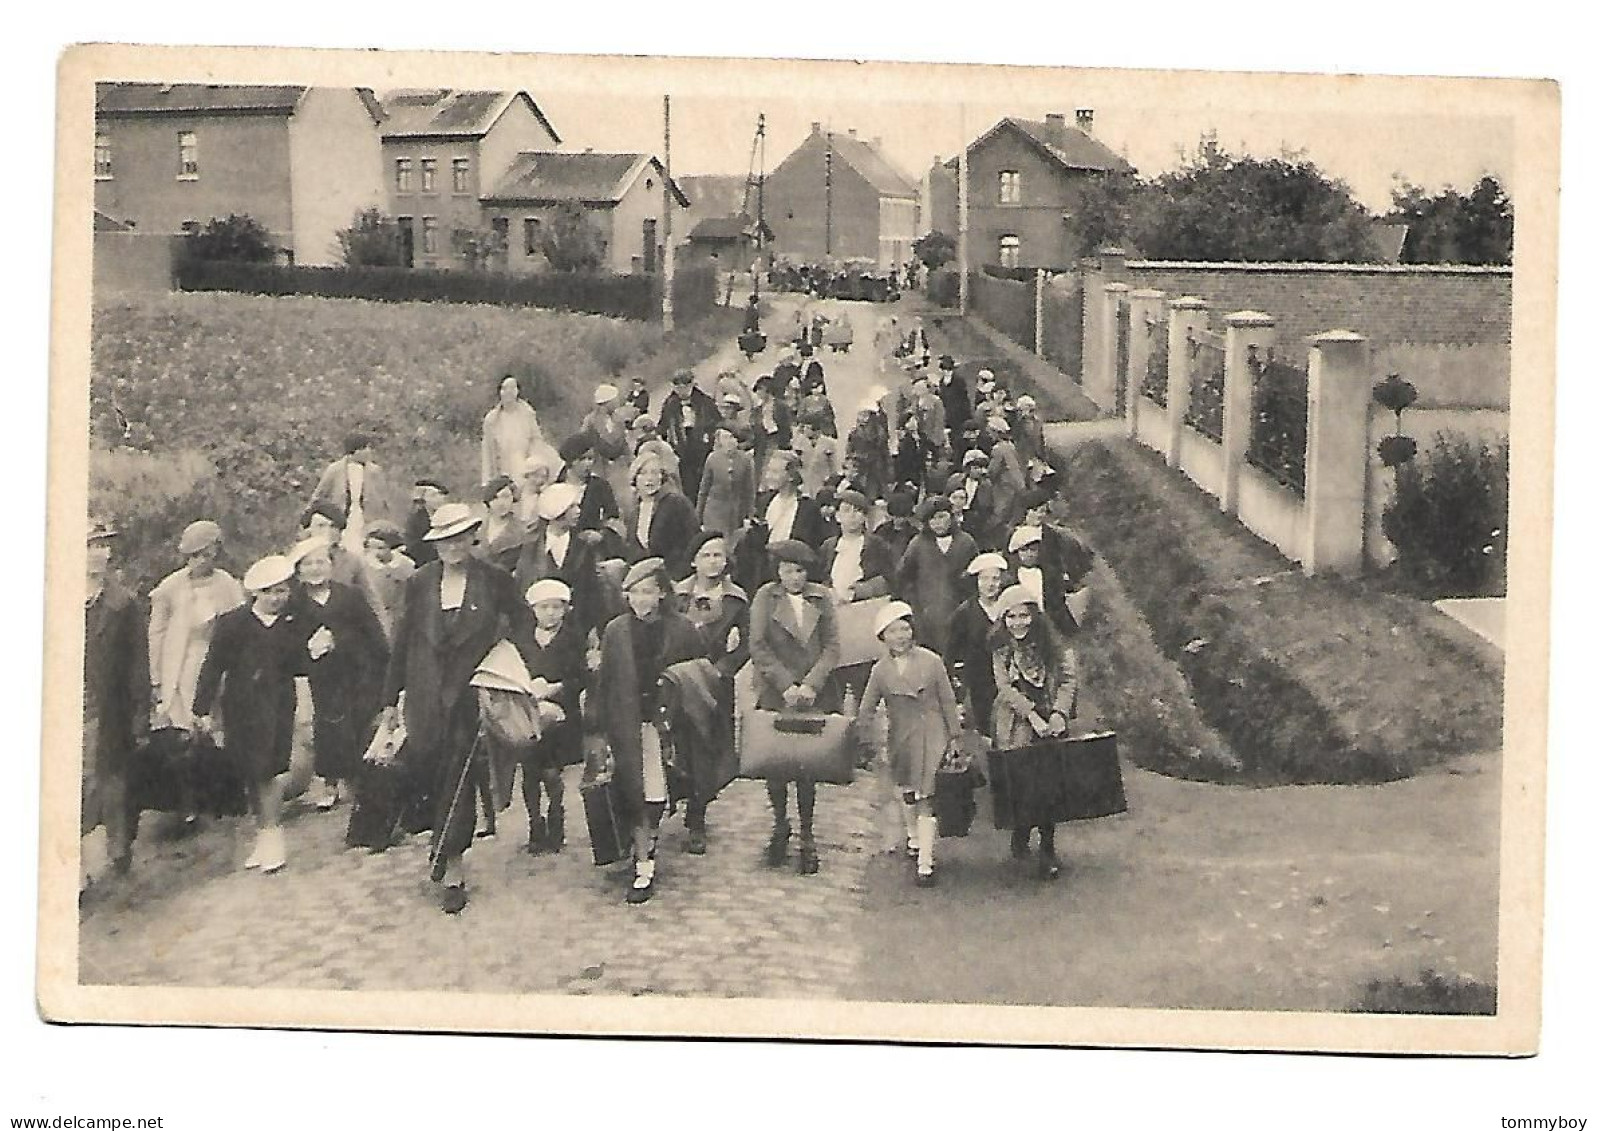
{"x": 235, "y": 239}
{"x": 935, "y": 249}
{"x": 1109, "y": 210}
{"x": 372, "y": 240}
{"x": 481, "y": 248}
{"x": 1451, "y": 227}
{"x": 569, "y": 240}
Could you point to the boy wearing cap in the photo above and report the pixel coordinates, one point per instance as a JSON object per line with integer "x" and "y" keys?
{"x": 931, "y": 574}
{"x": 555, "y": 651}
{"x": 249, "y": 671}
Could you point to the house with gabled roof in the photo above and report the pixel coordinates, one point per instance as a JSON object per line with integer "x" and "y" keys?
{"x": 1024, "y": 180}
{"x": 442, "y": 150}
{"x": 623, "y": 194}
{"x": 837, "y": 196}
{"x": 300, "y": 160}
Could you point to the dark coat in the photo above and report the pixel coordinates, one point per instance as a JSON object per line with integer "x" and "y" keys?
{"x": 253, "y": 667}
{"x": 692, "y": 445}
{"x": 718, "y": 633}
{"x": 619, "y": 708}
{"x": 116, "y": 704}
{"x": 564, "y": 660}
{"x": 580, "y": 571}
{"x": 785, "y": 651}
{"x": 970, "y": 658}
{"x": 417, "y": 548}
{"x": 599, "y": 504}
{"x": 671, "y": 534}
{"x": 935, "y": 583}
{"x": 346, "y": 683}
{"x": 876, "y": 566}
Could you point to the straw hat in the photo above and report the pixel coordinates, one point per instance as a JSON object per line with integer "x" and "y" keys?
{"x": 450, "y": 520}
{"x": 274, "y": 569}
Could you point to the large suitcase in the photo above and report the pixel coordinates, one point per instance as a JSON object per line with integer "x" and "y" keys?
{"x": 605, "y": 834}
{"x": 778, "y": 746}
{"x": 857, "y": 644}
{"x": 1058, "y": 779}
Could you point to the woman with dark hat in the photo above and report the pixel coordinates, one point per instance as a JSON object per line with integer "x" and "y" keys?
{"x": 719, "y": 611}
{"x": 637, "y": 648}
{"x": 599, "y": 516}
{"x": 793, "y": 645}
{"x": 1035, "y": 680}
{"x": 499, "y": 543}
{"x": 931, "y": 573}
{"x": 455, "y": 610}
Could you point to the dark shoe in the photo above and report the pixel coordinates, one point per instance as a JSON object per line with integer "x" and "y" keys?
{"x": 1019, "y": 848}
{"x": 643, "y": 885}
{"x": 696, "y": 842}
{"x": 452, "y": 900}
{"x": 809, "y": 860}
{"x": 777, "y": 849}
{"x": 555, "y": 836}
{"x": 1048, "y": 868}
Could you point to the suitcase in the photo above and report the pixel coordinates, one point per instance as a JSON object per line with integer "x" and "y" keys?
{"x": 605, "y": 834}
{"x": 777, "y": 746}
{"x": 954, "y": 801}
{"x": 857, "y": 644}
{"x": 1057, "y": 779}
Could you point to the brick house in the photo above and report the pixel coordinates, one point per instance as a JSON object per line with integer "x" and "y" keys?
{"x": 1024, "y": 179}
{"x": 867, "y": 211}
{"x": 441, "y": 150}
{"x": 301, "y": 160}
{"x": 623, "y": 195}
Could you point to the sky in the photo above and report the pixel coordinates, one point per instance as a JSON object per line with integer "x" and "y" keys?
{"x": 713, "y": 134}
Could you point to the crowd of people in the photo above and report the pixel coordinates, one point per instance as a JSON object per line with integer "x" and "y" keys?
{"x": 614, "y": 588}
{"x": 843, "y": 281}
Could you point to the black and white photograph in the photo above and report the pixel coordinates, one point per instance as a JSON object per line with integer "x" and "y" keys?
{"x": 562, "y": 544}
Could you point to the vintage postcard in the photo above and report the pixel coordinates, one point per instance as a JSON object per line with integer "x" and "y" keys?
{"x": 755, "y": 548}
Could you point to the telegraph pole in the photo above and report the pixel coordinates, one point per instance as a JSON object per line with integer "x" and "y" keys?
{"x": 829, "y": 194}
{"x": 965, "y": 216}
{"x": 669, "y": 265}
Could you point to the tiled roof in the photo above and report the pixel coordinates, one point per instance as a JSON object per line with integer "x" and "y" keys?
{"x": 104, "y": 223}
{"x": 449, "y": 113}
{"x": 715, "y": 194}
{"x": 193, "y": 98}
{"x": 722, "y": 228}
{"x": 588, "y": 178}
{"x": 869, "y": 162}
{"x": 1071, "y": 148}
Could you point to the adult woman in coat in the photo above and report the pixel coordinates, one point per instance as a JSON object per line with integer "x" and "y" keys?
{"x": 660, "y": 523}
{"x": 636, "y": 649}
{"x": 455, "y": 610}
{"x": 932, "y": 573}
{"x": 511, "y": 433}
{"x": 346, "y": 671}
{"x": 500, "y": 541}
{"x": 727, "y": 483}
{"x": 1035, "y": 681}
{"x": 923, "y": 718}
{"x": 793, "y": 645}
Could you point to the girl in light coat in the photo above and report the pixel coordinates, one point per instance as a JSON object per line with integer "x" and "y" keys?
{"x": 923, "y": 718}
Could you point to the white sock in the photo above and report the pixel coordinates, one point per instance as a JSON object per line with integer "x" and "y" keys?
{"x": 926, "y": 838}
{"x": 908, "y": 809}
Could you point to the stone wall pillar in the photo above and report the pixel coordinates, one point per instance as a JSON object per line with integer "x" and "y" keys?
{"x": 1247, "y": 332}
{"x": 1187, "y": 314}
{"x": 1038, "y": 279}
{"x": 1145, "y": 305}
{"x": 1110, "y": 359}
{"x": 1336, "y": 459}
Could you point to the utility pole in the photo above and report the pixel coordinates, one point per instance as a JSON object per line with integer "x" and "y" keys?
{"x": 668, "y": 267}
{"x": 965, "y": 216}
{"x": 829, "y": 193}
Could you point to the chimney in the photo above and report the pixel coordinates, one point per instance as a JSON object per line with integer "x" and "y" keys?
{"x": 815, "y": 127}
{"x": 851, "y": 131}
{"x": 1084, "y": 119}
{"x": 1054, "y": 128}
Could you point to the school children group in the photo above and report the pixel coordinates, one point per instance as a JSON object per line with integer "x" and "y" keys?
{"x": 620, "y": 581}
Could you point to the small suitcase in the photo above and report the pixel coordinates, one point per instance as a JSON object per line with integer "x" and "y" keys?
{"x": 1059, "y": 779}
{"x": 605, "y": 834}
{"x": 954, "y": 801}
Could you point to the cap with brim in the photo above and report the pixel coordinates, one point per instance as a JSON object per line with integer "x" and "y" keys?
{"x": 555, "y": 500}
{"x": 386, "y": 532}
{"x": 856, "y": 499}
{"x": 643, "y": 571}
{"x": 198, "y": 535}
{"x": 449, "y": 521}
{"x": 892, "y": 611}
{"x": 792, "y": 550}
{"x": 305, "y": 547}
{"x": 549, "y": 589}
{"x": 574, "y": 448}
{"x": 682, "y": 377}
{"x": 606, "y": 393}
{"x": 1016, "y": 596}
{"x": 1025, "y": 536}
{"x": 975, "y": 455}
{"x": 982, "y": 563}
{"x": 1025, "y": 400}
{"x": 936, "y": 503}
{"x": 274, "y": 569}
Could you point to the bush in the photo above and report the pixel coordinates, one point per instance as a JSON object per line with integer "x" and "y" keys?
{"x": 1449, "y": 519}
{"x": 372, "y": 240}
{"x": 943, "y": 288}
{"x": 570, "y": 240}
{"x": 235, "y": 239}
{"x": 935, "y": 249}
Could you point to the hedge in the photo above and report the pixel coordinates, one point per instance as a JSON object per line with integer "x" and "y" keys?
{"x": 636, "y": 297}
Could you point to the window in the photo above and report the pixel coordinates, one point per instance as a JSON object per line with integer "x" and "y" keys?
{"x": 1009, "y": 251}
{"x": 102, "y": 157}
{"x": 429, "y": 174}
{"x": 463, "y": 171}
{"x": 402, "y": 175}
{"x": 530, "y": 235}
{"x": 188, "y": 156}
{"x": 1009, "y": 187}
{"x": 429, "y": 235}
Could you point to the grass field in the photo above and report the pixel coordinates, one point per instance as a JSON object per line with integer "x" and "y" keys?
{"x": 228, "y": 406}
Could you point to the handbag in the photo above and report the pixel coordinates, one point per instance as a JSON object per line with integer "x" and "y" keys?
{"x": 857, "y": 643}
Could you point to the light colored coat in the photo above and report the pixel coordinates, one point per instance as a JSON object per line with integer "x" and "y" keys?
{"x": 510, "y": 436}
{"x": 182, "y": 617}
{"x": 923, "y": 717}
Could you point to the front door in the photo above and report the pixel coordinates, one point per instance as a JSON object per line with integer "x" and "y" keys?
{"x": 407, "y": 232}
{"x": 649, "y": 247}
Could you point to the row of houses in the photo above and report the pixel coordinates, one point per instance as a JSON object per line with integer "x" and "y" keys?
{"x": 465, "y": 170}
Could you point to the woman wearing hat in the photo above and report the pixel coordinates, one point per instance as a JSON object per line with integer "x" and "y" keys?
{"x": 637, "y": 648}
{"x": 599, "y": 517}
{"x": 455, "y": 610}
{"x": 556, "y": 652}
{"x": 348, "y": 657}
{"x": 970, "y": 654}
{"x": 661, "y": 523}
{"x": 647, "y": 442}
{"x": 1035, "y": 682}
{"x": 559, "y": 551}
{"x": 855, "y": 563}
{"x": 603, "y": 423}
{"x": 350, "y": 485}
{"x": 867, "y": 445}
{"x": 931, "y": 575}
{"x": 388, "y": 568}
{"x": 1006, "y": 473}
{"x": 923, "y": 718}
{"x": 511, "y": 433}
{"x": 499, "y": 543}
{"x": 727, "y": 486}
{"x": 257, "y": 651}
{"x": 793, "y": 645}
